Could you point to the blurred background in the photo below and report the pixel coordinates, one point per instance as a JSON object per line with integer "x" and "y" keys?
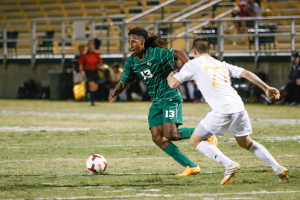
{"x": 41, "y": 42}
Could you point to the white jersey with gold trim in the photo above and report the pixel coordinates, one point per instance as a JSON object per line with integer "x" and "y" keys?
{"x": 213, "y": 80}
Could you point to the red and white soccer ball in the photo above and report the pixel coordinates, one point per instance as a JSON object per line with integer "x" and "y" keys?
{"x": 96, "y": 163}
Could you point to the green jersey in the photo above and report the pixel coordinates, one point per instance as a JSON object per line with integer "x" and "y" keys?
{"x": 153, "y": 70}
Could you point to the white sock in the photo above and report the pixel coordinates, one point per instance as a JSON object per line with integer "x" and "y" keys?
{"x": 263, "y": 154}
{"x": 212, "y": 152}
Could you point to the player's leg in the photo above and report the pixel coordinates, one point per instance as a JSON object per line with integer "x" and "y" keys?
{"x": 94, "y": 83}
{"x": 155, "y": 119}
{"x": 172, "y": 117}
{"x": 172, "y": 150}
{"x": 93, "y": 87}
{"x": 263, "y": 154}
{"x": 157, "y": 137}
{"x": 90, "y": 86}
{"x": 171, "y": 132}
{"x": 241, "y": 128}
{"x": 199, "y": 141}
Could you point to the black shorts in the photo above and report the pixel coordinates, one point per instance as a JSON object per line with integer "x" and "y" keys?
{"x": 92, "y": 75}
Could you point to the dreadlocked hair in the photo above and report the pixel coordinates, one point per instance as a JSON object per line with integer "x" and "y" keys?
{"x": 152, "y": 41}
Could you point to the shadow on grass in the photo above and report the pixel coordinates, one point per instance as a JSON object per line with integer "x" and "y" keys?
{"x": 40, "y": 186}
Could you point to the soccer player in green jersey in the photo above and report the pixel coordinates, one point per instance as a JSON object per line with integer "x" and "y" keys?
{"x": 151, "y": 62}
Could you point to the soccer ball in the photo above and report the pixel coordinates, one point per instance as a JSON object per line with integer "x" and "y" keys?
{"x": 96, "y": 163}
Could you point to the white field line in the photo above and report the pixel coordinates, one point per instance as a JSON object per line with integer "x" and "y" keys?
{"x": 120, "y": 159}
{"x": 73, "y": 115}
{"x": 231, "y": 140}
{"x": 113, "y": 145}
{"x": 21, "y": 129}
{"x": 273, "y": 138}
{"x": 241, "y": 193}
{"x": 122, "y": 116}
{"x": 98, "y": 186}
{"x": 231, "y": 198}
{"x": 91, "y": 174}
{"x": 137, "y": 195}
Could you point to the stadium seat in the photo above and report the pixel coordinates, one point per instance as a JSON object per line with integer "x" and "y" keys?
{"x": 19, "y": 12}
{"x": 46, "y": 47}
{"x": 263, "y": 40}
{"x": 10, "y": 45}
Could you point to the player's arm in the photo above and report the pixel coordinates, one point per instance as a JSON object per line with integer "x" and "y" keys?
{"x": 172, "y": 81}
{"x": 80, "y": 62}
{"x": 81, "y": 70}
{"x": 270, "y": 91}
{"x": 186, "y": 73}
{"x": 128, "y": 77}
{"x": 120, "y": 87}
{"x": 181, "y": 55}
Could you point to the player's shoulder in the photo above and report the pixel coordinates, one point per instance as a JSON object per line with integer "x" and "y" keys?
{"x": 194, "y": 61}
{"x": 159, "y": 51}
{"x": 191, "y": 63}
{"x": 218, "y": 62}
{"x": 129, "y": 60}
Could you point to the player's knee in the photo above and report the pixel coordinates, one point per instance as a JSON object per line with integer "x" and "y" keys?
{"x": 157, "y": 140}
{"x": 194, "y": 142}
{"x": 245, "y": 146}
{"x": 245, "y": 143}
{"x": 171, "y": 135}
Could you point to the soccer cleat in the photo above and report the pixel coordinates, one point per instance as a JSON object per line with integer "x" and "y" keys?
{"x": 230, "y": 172}
{"x": 190, "y": 171}
{"x": 213, "y": 140}
{"x": 282, "y": 174}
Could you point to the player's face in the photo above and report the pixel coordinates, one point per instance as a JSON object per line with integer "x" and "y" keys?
{"x": 136, "y": 44}
{"x": 91, "y": 46}
{"x": 81, "y": 49}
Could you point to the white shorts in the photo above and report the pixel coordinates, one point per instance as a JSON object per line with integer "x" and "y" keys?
{"x": 218, "y": 124}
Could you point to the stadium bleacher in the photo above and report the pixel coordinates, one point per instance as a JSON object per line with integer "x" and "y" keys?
{"x": 20, "y": 13}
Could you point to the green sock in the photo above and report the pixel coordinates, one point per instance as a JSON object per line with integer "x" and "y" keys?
{"x": 176, "y": 154}
{"x": 186, "y": 132}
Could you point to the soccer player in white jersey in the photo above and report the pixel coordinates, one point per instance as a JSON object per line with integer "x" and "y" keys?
{"x": 228, "y": 111}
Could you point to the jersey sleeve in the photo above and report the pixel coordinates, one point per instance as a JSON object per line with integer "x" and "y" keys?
{"x": 165, "y": 56}
{"x": 128, "y": 75}
{"x": 186, "y": 73}
{"x": 234, "y": 71}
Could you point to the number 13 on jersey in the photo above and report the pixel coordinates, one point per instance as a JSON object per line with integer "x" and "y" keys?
{"x": 170, "y": 114}
{"x": 146, "y": 74}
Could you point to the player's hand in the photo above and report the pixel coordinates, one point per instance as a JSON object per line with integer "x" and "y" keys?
{"x": 111, "y": 97}
{"x": 172, "y": 74}
{"x": 272, "y": 93}
{"x": 298, "y": 81}
{"x": 83, "y": 74}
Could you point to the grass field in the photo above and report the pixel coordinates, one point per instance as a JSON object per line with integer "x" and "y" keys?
{"x": 44, "y": 146}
